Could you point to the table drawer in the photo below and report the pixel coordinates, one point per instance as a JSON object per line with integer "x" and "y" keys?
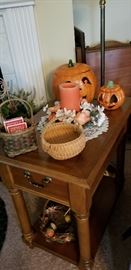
{"x": 42, "y": 184}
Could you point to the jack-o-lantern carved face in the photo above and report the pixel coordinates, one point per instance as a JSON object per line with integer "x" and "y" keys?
{"x": 111, "y": 96}
{"x": 79, "y": 73}
{"x": 87, "y": 88}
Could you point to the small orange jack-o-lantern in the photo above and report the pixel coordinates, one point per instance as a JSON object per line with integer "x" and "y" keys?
{"x": 111, "y": 96}
{"x": 79, "y": 73}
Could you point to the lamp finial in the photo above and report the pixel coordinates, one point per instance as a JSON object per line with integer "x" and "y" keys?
{"x": 102, "y": 2}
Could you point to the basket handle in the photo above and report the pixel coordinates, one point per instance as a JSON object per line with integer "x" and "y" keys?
{"x": 24, "y": 102}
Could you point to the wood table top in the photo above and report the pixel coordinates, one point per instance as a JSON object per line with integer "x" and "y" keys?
{"x": 85, "y": 169}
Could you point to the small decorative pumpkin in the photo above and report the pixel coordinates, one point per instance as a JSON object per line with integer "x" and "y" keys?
{"x": 79, "y": 73}
{"x": 111, "y": 96}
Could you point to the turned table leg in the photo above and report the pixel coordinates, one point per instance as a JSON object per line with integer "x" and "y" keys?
{"x": 19, "y": 204}
{"x": 22, "y": 214}
{"x": 80, "y": 201}
{"x": 84, "y": 242}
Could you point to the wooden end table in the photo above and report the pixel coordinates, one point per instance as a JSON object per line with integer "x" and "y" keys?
{"x": 78, "y": 183}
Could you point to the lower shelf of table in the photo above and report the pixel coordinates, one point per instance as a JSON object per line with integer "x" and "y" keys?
{"x": 68, "y": 251}
{"x": 103, "y": 204}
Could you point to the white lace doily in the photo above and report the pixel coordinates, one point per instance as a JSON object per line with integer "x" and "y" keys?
{"x": 98, "y": 124}
{"x": 91, "y": 131}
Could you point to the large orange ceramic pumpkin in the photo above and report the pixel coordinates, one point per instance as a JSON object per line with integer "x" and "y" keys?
{"x": 79, "y": 73}
{"x": 111, "y": 96}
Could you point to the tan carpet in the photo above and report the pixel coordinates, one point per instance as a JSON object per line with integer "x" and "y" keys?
{"x": 113, "y": 253}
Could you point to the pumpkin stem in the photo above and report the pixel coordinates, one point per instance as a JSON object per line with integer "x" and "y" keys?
{"x": 70, "y": 64}
{"x": 110, "y": 84}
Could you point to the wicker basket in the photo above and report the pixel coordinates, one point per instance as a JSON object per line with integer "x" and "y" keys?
{"x": 20, "y": 142}
{"x": 63, "y": 140}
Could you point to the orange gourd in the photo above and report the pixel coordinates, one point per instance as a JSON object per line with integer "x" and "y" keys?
{"x": 111, "y": 96}
{"x": 79, "y": 73}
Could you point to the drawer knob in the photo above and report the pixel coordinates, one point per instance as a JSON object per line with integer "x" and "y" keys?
{"x": 47, "y": 180}
{"x": 44, "y": 182}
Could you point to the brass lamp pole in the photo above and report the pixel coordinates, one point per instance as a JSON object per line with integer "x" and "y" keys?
{"x": 102, "y": 40}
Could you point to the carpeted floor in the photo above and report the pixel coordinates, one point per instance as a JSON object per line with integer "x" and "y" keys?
{"x": 113, "y": 252}
{"x": 3, "y": 222}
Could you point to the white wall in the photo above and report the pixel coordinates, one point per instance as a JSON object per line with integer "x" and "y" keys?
{"x": 117, "y": 19}
{"x": 56, "y": 34}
